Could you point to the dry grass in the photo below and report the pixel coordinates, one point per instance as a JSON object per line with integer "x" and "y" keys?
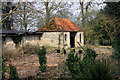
{"x": 29, "y": 64}
{"x": 30, "y": 49}
{"x": 10, "y": 54}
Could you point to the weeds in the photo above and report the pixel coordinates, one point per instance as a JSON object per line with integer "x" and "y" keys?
{"x": 30, "y": 49}
{"x": 13, "y": 73}
{"x": 10, "y": 54}
{"x": 3, "y": 67}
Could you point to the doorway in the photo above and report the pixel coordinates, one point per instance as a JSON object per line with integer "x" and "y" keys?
{"x": 72, "y": 39}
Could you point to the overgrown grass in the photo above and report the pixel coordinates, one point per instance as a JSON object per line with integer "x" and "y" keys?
{"x": 50, "y": 48}
{"x": 10, "y": 54}
{"x": 30, "y": 49}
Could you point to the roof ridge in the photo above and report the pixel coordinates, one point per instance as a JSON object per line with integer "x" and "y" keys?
{"x": 60, "y": 24}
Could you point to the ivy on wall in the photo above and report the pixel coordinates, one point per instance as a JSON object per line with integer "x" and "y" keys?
{"x": 3, "y": 39}
{"x": 16, "y": 39}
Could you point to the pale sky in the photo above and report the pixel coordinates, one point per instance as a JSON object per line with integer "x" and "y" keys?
{"x": 75, "y": 8}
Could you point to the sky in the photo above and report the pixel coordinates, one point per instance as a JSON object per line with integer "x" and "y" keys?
{"x": 75, "y": 7}
{"x": 57, "y": 0}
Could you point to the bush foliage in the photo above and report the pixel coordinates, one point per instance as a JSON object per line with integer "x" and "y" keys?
{"x": 13, "y": 73}
{"x": 89, "y": 67}
{"x": 80, "y": 51}
{"x": 3, "y": 67}
{"x": 42, "y": 59}
{"x": 90, "y": 53}
{"x": 116, "y": 47}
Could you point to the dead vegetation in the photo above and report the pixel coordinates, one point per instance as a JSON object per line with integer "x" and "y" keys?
{"x": 10, "y": 54}
{"x": 28, "y": 65}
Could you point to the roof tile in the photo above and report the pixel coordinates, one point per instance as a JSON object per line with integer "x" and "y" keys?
{"x": 59, "y": 24}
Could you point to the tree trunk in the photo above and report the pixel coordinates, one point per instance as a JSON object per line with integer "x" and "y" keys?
{"x": 47, "y": 12}
{"x": 25, "y": 25}
{"x": 82, "y": 12}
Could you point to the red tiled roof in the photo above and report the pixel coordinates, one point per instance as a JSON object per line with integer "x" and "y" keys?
{"x": 59, "y": 24}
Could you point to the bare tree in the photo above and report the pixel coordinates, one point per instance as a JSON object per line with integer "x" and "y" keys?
{"x": 49, "y": 9}
{"x": 87, "y": 11}
{"x": 24, "y": 17}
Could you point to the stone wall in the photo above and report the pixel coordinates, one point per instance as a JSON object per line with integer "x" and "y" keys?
{"x": 9, "y": 44}
{"x": 77, "y": 39}
{"x": 28, "y": 39}
{"x": 65, "y": 42}
{"x": 31, "y": 39}
{"x": 52, "y": 39}
{"x": 47, "y": 39}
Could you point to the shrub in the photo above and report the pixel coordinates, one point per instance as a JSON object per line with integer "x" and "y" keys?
{"x": 73, "y": 63}
{"x": 3, "y": 67}
{"x": 42, "y": 59}
{"x": 88, "y": 68}
{"x": 72, "y": 50}
{"x": 13, "y": 73}
{"x": 90, "y": 53}
{"x": 61, "y": 71}
{"x": 116, "y": 47}
{"x": 58, "y": 50}
{"x": 80, "y": 51}
{"x": 116, "y": 54}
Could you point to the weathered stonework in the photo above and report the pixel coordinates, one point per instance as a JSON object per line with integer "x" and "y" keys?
{"x": 30, "y": 39}
{"x": 77, "y": 39}
{"x": 9, "y": 44}
{"x": 49, "y": 39}
{"x": 53, "y": 39}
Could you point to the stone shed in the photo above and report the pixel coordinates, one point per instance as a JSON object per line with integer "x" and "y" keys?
{"x": 7, "y": 38}
{"x": 61, "y": 32}
{"x": 57, "y": 33}
{"x": 13, "y": 38}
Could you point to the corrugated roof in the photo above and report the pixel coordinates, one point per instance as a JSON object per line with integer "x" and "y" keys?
{"x": 60, "y": 24}
{"x": 17, "y": 32}
{"x": 11, "y": 31}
